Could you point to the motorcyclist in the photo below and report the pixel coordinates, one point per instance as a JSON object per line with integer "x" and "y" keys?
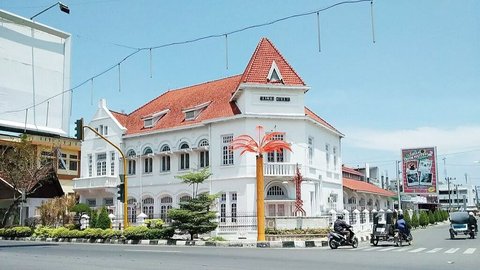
{"x": 342, "y": 227}
{"x": 472, "y": 223}
{"x": 402, "y": 226}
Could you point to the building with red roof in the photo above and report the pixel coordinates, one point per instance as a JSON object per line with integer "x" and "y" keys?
{"x": 191, "y": 128}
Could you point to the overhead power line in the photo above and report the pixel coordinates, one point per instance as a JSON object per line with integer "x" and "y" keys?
{"x": 221, "y": 35}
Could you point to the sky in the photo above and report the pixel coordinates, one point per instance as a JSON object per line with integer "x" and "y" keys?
{"x": 417, "y": 85}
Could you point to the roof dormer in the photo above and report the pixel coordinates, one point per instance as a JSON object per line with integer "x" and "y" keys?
{"x": 193, "y": 112}
{"x": 149, "y": 121}
{"x": 274, "y": 75}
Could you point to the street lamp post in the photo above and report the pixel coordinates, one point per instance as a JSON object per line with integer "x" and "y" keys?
{"x": 64, "y": 8}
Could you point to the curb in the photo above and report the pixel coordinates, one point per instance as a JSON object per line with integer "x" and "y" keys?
{"x": 171, "y": 242}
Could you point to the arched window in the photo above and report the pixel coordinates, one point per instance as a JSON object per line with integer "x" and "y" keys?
{"x": 185, "y": 198}
{"x": 204, "y": 154}
{"x": 277, "y": 155}
{"x": 165, "y": 205}
{"x": 132, "y": 163}
{"x": 148, "y": 206}
{"x": 276, "y": 192}
{"x": 184, "y": 157}
{"x": 165, "y": 163}
{"x": 132, "y": 210}
{"x": 148, "y": 160}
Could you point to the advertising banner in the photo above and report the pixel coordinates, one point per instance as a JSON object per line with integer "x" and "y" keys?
{"x": 419, "y": 170}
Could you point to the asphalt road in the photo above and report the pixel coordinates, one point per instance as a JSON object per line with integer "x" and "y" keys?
{"x": 432, "y": 249}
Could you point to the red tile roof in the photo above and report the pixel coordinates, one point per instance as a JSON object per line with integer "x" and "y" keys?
{"x": 365, "y": 187}
{"x": 351, "y": 171}
{"x": 261, "y": 62}
{"x": 217, "y": 94}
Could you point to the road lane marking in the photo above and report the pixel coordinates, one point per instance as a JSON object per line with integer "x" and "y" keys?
{"x": 434, "y": 250}
{"x": 417, "y": 250}
{"x": 469, "y": 251}
{"x": 402, "y": 249}
{"x": 152, "y": 250}
{"x": 452, "y": 250}
{"x": 373, "y": 248}
{"x": 387, "y": 249}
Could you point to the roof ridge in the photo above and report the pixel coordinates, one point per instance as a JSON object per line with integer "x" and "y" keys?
{"x": 330, "y": 125}
{"x": 113, "y": 111}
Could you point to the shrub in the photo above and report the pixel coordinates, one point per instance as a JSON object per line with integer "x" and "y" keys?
{"x": 431, "y": 217}
{"x": 43, "y": 232}
{"x": 60, "y": 232}
{"x": 163, "y": 233}
{"x": 81, "y": 208}
{"x": 110, "y": 233}
{"x": 16, "y": 232}
{"x": 323, "y": 231}
{"x": 423, "y": 219}
{"x": 2, "y": 232}
{"x": 217, "y": 238}
{"x": 93, "y": 233}
{"x": 135, "y": 233}
{"x": 103, "y": 221}
{"x": 154, "y": 223}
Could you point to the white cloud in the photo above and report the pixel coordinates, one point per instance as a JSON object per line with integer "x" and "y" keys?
{"x": 459, "y": 138}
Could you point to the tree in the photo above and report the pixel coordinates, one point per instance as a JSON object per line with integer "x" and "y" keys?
{"x": 93, "y": 219}
{"x": 55, "y": 211}
{"x": 266, "y": 143}
{"x": 103, "y": 221}
{"x": 23, "y": 170}
{"x": 415, "y": 221}
{"x": 423, "y": 219}
{"x": 195, "y": 178}
{"x": 431, "y": 217}
{"x": 194, "y": 216}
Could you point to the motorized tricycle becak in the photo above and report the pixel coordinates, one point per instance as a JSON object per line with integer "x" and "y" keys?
{"x": 384, "y": 230}
{"x": 459, "y": 225}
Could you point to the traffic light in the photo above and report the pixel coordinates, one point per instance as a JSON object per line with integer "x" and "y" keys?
{"x": 121, "y": 192}
{"x": 79, "y": 129}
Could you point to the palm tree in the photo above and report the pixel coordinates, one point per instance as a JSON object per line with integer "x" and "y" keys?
{"x": 266, "y": 143}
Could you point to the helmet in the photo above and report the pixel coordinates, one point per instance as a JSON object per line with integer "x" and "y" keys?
{"x": 470, "y": 213}
{"x": 340, "y": 216}
{"x": 400, "y": 216}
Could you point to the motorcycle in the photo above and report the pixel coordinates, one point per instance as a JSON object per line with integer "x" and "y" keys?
{"x": 335, "y": 240}
{"x": 472, "y": 231}
{"x": 400, "y": 238}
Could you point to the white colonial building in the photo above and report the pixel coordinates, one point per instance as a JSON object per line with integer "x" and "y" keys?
{"x": 191, "y": 128}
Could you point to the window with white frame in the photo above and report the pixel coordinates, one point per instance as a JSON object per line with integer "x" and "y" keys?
{"x": 310, "y": 150}
{"x": 148, "y": 160}
{"x": 132, "y": 163}
{"x": 90, "y": 165}
{"x": 165, "y": 160}
{"x": 108, "y": 201}
{"x": 91, "y": 202}
{"x": 223, "y": 207}
{"x": 132, "y": 210}
{"x": 327, "y": 155}
{"x": 148, "y": 207}
{"x": 73, "y": 163}
{"x": 101, "y": 164}
{"x": 276, "y": 192}
{"x": 227, "y": 151}
{"x": 165, "y": 205}
{"x": 112, "y": 163}
{"x": 277, "y": 156}
{"x": 233, "y": 205}
{"x": 204, "y": 154}
{"x": 184, "y": 157}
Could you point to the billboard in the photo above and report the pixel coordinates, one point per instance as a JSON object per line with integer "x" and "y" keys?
{"x": 419, "y": 170}
{"x": 34, "y": 74}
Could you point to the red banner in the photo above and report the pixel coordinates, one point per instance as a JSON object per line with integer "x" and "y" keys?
{"x": 419, "y": 170}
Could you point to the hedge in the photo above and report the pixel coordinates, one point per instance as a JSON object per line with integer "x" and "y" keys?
{"x": 16, "y": 232}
